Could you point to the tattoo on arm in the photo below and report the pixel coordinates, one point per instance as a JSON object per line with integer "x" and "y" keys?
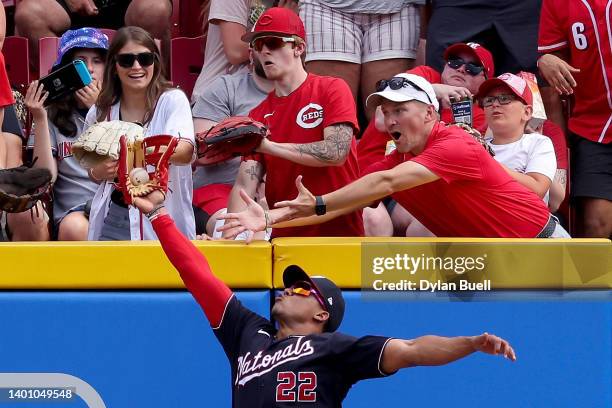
{"x": 255, "y": 172}
{"x": 561, "y": 177}
{"x": 334, "y": 148}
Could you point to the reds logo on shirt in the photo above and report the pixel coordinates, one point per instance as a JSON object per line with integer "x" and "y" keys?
{"x": 65, "y": 150}
{"x": 310, "y": 116}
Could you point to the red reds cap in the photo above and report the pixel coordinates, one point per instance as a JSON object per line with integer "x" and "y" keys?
{"x": 478, "y": 51}
{"x": 275, "y": 21}
{"x": 516, "y": 84}
{"x": 331, "y": 294}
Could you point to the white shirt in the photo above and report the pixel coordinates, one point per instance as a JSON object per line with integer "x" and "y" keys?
{"x": 172, "y": 116}
{"x": 532, "y": 153}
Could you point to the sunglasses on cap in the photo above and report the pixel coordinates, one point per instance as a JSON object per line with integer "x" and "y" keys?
{"x": 271, "y": 42}
{"x": 470, "y": 67}
{"x": 306, "y": 289}
{"x": 503, "y": 99}
{"x": 396, "y": 83}
{"x": 145, "y": 59}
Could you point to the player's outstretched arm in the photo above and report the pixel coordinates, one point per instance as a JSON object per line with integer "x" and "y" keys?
{"x": 435, "y": 350}
{"x": 209, "y": 291}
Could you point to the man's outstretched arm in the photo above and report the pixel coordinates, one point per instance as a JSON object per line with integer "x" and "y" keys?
{"x": 436, "y": 350}
{"x": 208, "y": 290}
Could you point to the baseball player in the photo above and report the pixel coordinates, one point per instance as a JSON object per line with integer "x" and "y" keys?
{"x": 311, "y": 120}
{"x": 302, "y": 361}
{"x": 441, "y": 175}
{"x": 575, "y": 43}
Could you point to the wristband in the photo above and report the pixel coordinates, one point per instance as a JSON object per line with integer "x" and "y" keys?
{"x": 154, "y": 213}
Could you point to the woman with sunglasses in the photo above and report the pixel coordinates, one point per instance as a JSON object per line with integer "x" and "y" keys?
{"x": 58, "y": 125}
{"x": 136, "y": 91}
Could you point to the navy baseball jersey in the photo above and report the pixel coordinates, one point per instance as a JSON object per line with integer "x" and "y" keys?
{"x": 296, "y": 371}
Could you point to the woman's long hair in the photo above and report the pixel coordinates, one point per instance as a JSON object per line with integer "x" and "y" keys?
{"x": 111, "y": 90}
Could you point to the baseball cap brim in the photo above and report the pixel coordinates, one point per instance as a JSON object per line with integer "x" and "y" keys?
{"x": 490, "y": 84}
{"x": 378, "y": 98}
{"x": 461, "y": 47}
{"x": 249, "y": 36}
{"x": 294, "y": 273}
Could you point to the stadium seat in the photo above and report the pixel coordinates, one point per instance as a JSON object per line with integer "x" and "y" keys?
{"x": 186, "y": 60}
{"x": 47, "y": 54}
{"x": 17, "y": 61}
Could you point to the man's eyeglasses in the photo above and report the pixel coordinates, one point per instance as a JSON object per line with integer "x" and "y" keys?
{"x": 396, "y": 83}
{"x": 272, "y": 43}
{"x": 305, "y": 289}
{"x": 470, "y": 67}
{"x": 503, "y": 99}
{"x": 145, "y": 59}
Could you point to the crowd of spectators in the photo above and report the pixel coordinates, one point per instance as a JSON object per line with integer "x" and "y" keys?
{"x": 305, "y": 69}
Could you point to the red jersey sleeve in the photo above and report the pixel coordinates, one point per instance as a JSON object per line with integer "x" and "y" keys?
{"x": 452, "y": 159}
{"x": 6, "y": 96}
{"x": 340, "y": 105}
{"x": 208, "y": 290}
{"x": 555, "y": 133}
{"x": 552, "y": 34}
{"x": 426, "y": 72}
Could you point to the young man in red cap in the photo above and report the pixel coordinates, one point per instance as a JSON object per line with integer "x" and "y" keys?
{"x": 528, "y": 157}
{"x": 311, "y": 121}
{"x": 442, "y": 175}
{"x": 575, "y": 43}
{"x": 467, "y": 67}
{"x": 302, "y": 360}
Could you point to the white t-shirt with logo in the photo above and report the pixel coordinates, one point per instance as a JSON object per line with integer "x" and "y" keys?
{"x": 532, "y": 153}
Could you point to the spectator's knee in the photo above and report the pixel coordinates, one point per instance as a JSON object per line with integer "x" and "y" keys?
{"x": 28, "y": 15}
{"x": 152, "y": 15}
{"x": 597, "y": 225}
{"x": 29, "y": 225}
{"x": 73, "y": 227}
{"x": 377, "y": 222}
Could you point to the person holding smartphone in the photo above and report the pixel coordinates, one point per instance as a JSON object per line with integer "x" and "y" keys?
{"x": 136, "y": 91}
{"x": 57, "y": 127}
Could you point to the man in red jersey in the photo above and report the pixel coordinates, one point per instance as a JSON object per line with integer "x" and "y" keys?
{"x": 311, "y": 121}
{"x": 442, "y": 175}
{"x": 467, "y": 67}
{"x": 574, "y": 41}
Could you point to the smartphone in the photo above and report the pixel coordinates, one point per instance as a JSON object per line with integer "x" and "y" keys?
{"x": 67, "y": 79}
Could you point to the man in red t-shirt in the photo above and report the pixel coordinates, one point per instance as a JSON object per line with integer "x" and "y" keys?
{"x": 467, "y": 67}
{"x": 311, "y": 120}
{"x": 440, "y": 174}
{"x": 574, "y": 41}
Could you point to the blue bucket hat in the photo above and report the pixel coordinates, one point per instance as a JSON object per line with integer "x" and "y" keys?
{"x": 82, "y": 38}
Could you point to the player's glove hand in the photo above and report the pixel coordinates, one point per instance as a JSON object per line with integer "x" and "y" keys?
{"x": 101, "y": 141}
{"x": 139, "y": 155}
{"x": 235, "y": 136}
{"x": 22, "y": 187}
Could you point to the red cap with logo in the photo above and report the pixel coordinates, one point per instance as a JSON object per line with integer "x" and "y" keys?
{"x": 516, "y": 84}
{"x": 276, "y": 21}
{"x": 478, "y": 51}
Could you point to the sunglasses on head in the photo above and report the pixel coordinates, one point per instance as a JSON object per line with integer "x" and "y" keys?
{"x": 305, "y": 289}
{"x": 272, "y": 43}
{"x": 145, "y": 59}
{"x": 396, "y": 83}
{"x": 503, "y": 99}
{"x": 470, "y": 67}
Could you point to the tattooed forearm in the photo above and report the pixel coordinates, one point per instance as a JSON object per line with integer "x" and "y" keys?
{"x": 334, "y": 148}
{"x": 255, "y": 172}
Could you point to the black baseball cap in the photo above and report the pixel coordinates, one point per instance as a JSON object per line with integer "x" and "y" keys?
{"x": 331, "y": 294}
